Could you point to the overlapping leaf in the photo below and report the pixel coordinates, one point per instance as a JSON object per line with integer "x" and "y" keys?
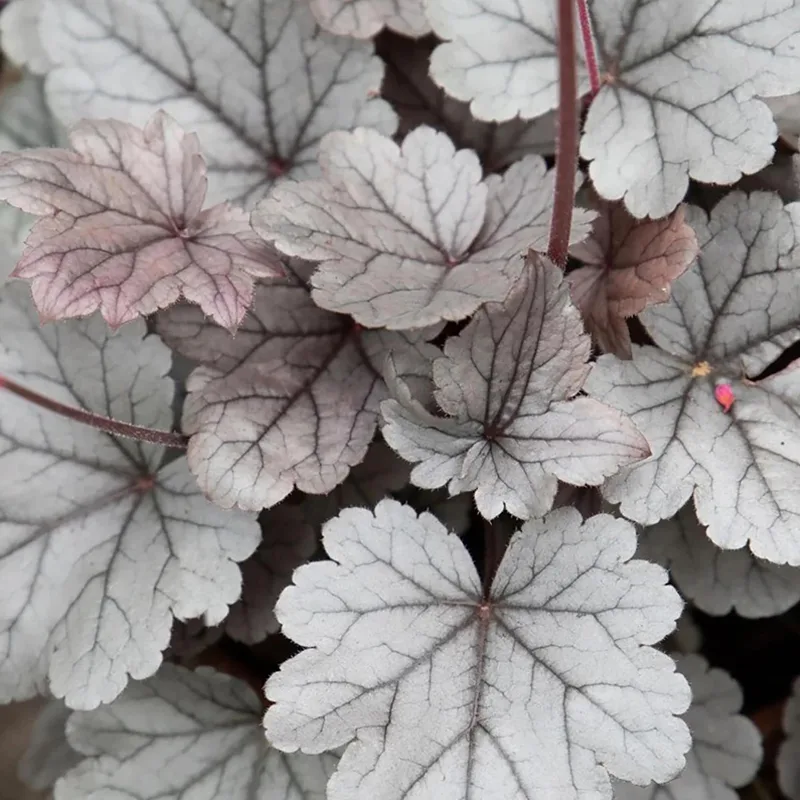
{"x": 628, "y": 265}
{"x": 291, "y": 400}
{"x": 730, "y": 316}
{"x": 680, "y": 84}
{"x": 49, "y": 755}
{"x": 409, "y": 236}
{"x": 507, "y": 384}
{"x": 539, "y": 689}
{"x": 123, "y": 228}
{"x": 20, "y": 38}
{"x": 419, "y": 101}
{"x": 364, "y": 18}
{"x": 715, "y": 580}
{"x": 186, "y": 734}
{"x": 726, "y": 746}
{"x": 99, "y": 547}
{"x": 788, "y": 762}
{"x": 260, "y": 90}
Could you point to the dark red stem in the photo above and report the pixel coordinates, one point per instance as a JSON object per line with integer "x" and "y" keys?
{"x": 105, "y": 424}
{"x": 567, "y": 141}
{"x": 588, "y": 46}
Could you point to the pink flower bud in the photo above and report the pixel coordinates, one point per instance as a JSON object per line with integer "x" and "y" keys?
{"x": 724, "y": 396}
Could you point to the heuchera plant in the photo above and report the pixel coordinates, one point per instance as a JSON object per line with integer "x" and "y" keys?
{"x": 382, "y": 380}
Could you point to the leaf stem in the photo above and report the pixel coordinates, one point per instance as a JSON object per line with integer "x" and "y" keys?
{"x": 589, "y": 51}
{"x": 105, "y": 424}
{"x": 567, "y": 141}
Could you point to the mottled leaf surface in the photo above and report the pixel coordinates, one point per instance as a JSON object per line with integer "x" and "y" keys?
{"x": 289, "y": 540}
{"x": 182, "y": 735}
{"x": 716, "y": 580}
{"x": 680, "y": 84}
{"x": 49, "y": 755}
{"x": 260, "y": 90}
{"x": 628, "y": 265}
{"x": 730, "y": 315}
{"x": 99, "y": 546}
{"x": 291, "y": 401}
{"x": 513, "y": 427}
{"x": 364, "y": 18}
{"x": 419, "y": 101}
{"x": 726, "y": 746}
{"x": 788, "y": 761}
{"x": 123, "y": 228}
{"x": 538, "y": 689}
{"x": 412, "y": 235}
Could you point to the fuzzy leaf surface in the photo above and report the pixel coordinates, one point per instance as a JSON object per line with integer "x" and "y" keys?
{"x": 260, "y": 88}
{"x": 419, "y": 101}
{"x": 680, "y": 84}
{"x": 289, "y": 540}
{"x": 726, "y": 746}
{"x": 524, "y": 693}
{"x": 123, "y": 228}
{"x": 100, "y": 546}
{"x": 364, "y": 18}
{"x": 291, "y": 401}
{"x": 788, "y": 761}
{"x": 715, "y": 580}
{"x": 410, "y": 236}
{"x": 513, "y": 427}
{"x": 628, "y": 265}
{"x": 184, "y": 734}
{"x": 730, "y": 316}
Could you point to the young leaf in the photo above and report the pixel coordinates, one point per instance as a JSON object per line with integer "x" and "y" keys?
{"x": 409, "y": 236}
{"x": 507, "y": 384}
{"x": 540, "y": 689}
{"x": 788, "y": 761}
{"x": 99, "y": 545}
{"x": 726, "y": 746}
{"x": 715, "y": 580}
{"x": 419, "y": 101}
{"x": 185, "y": 734}
{"x": 730, "y": 315}
{"x": 289, "y": 541}
{"x": 49, "y": 755}
{"x": 364, "y": 18}
{"x": 291, "y": 400}
{"x": 260, "y": 90}
{"x": 123, "y": 229}
{"x": 19, "y": 36}
{"x": 629, "y": 264}
{"x": 680, "y": 84}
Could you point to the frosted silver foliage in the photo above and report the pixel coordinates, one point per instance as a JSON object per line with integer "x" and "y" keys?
{"x": 364, "y": 18}
{"x": 726, "y": 746}
{"x": 19, "y": 35}
{"x": 540, "y": 688}
{"x": 49, "y": 754}
{"x": 419, "y": 101}
{"x": 680, "y": 84}
{"x": 289, "y": 540}
{"x": 730, "y": 315}
{"x": 409, "y": 236}
{"x": 260, "y": 90}
{"x": 513, "y": 426}
{"x": 123, "y": 227}
{"x": 291, "y": 401}
{"x": 716, "y": 580}
{"x": 788, "y": 761}
{"x": 99, "y": 546}
{"x": 181, "y": 735}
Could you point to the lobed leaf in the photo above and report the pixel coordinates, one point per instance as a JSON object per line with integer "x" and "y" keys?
{"x": 541, "y": 688}
{"x": 123, "y": 228}
{"x": 513, "y": 427}
{"x": 365, "y": 18}
{"x": 49, "y": 755}
{"x": 102, "y": 542}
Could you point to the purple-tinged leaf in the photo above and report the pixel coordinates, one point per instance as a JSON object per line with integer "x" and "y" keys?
{"x": 123, "y": 228}
{"x": 507, "y": 384}
{"x": 410, "y": 236}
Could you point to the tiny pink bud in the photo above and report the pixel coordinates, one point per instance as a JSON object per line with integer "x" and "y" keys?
{"x": 724, "y": 396}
